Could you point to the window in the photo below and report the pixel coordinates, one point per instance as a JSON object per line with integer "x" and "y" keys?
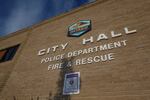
{"x": 8, "y": 53}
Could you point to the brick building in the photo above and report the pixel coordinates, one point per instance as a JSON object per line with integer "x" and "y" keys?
{"x": 106, "y": 42}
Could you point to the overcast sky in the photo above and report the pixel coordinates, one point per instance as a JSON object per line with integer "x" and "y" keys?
{"x": 19, "y": 14}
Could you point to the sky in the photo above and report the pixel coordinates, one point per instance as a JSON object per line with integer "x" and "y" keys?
{"x": 18, "y": 14}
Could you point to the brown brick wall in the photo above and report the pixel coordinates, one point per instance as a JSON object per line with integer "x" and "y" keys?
{"x": 124, "y": 78}
{"x": 6, "y": 68}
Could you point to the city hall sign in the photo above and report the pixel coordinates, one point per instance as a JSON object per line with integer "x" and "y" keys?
{"x": 76, "y": 30}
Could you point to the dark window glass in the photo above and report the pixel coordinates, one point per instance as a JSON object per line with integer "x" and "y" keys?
{"x": 8, "y": 53}
{"x": 2, "y": 53}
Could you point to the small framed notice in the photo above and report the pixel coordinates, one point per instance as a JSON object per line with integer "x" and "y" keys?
{"x": 71, "y": 83}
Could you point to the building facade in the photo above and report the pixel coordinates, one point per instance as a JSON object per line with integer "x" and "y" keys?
{"x": 97, "y": 52}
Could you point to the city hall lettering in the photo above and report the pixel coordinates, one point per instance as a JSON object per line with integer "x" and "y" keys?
{"x": 56, "y": 60}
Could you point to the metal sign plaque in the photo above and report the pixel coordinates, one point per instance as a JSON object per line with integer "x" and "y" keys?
{"x": 71, "y": 83}
{"x": 79, "y": 28}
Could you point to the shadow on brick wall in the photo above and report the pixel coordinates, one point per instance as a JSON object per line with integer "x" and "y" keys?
{"x": 59, "y": 94}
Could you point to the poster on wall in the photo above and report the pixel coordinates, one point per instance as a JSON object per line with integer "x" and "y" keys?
{"x": 71, "y": 83}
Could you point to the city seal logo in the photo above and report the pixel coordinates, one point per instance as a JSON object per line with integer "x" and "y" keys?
{"x": 79, "y": 28}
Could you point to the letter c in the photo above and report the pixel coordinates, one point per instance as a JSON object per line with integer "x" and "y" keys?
{"x": 41, "y": 52}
